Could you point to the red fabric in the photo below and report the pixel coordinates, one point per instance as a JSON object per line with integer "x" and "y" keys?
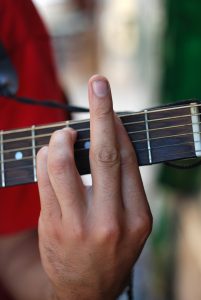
{"x": 27, "y": 43}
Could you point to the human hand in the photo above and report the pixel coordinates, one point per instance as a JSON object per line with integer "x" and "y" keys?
{"x": 91, "y": 237}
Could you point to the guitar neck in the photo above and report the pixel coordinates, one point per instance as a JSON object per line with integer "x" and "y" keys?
{"x": 158, "y": 135}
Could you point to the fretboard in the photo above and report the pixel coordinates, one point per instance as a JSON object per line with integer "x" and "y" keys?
{"x": 158, "y": 135}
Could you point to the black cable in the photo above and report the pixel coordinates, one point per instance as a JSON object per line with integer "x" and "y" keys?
{"x": 49, "y": 103}
{"x": 4, "y": 92}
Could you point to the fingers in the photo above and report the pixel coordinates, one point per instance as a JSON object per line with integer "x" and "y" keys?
{"x": 63, "y": 174}
{"x": 104, "y": 151}
{"x": 50, "y": 207}
{"x": 132, "y": 188}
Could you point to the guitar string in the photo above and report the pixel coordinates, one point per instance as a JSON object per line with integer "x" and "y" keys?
{"x": 87, "y": 138}
{"x": 82, "y": 129}
{"x": 133, "y": 141}
{"x": 30, "y": 166}
{"x": 75, "y": 122}
{"x": 27, "y": 138}
{"x": 12, "y": 181}
{"x": 138, "y": 150}
{"x": 67, "y": 123}
{"x": 31, "y": 157}
{"x": 149, "y": 111}
{"x": 129, "y": 133}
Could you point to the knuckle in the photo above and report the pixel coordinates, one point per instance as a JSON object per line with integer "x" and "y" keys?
{"x": 57, "y": 165}
{"x": 57, "y": 137}
{"x": 142, "y": 225}
{"x": 79, "y": 233}
{"x": 61, "y": 152}
{"x": 107, "y": 156}
{"x": 109, "y": 233}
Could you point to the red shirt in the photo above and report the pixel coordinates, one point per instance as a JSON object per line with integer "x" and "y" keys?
{"x": 26, "y": 41}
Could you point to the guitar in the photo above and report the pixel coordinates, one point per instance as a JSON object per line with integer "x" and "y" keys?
{"x": 157, "y": 134}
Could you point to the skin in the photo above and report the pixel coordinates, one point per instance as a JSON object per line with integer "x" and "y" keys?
{"x": 89, "y": 238}
{"x": 87, "y": 235}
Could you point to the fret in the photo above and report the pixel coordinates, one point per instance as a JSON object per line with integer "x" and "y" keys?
{"x": 82, "y": 145}
{"x": 196, "y": 128}
{"x": 18, "y": 164}
{"x": 147, "y": 134}
{"x": 43, "y": 134}
{"x": 2, "y": 161}
{"x": 34, "y": 152}
{"x": 136, "y": 129}
{"x": 83, "y": 135}
{"x": 67, "y": 123}
{"x": 83, "y": 130}
{"x": 172, "y": 136}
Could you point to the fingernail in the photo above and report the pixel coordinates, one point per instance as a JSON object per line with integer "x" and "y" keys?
{"x": 100, "y": 88}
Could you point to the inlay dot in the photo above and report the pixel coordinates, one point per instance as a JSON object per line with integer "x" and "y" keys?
{"x": 87, "y": 145}
{"x": 18, "y": 155}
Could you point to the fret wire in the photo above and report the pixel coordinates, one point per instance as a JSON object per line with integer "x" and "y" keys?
{"x": 152, "y": 110}
{"x": 2, "y": 161}
{"x": 148, "y": 136}
{"x": 34, "y": 152}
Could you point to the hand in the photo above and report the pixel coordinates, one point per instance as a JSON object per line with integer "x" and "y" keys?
{"x": 91, "y": 237}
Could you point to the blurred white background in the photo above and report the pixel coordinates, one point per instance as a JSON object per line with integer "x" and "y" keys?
{"x": 121, "y": 40}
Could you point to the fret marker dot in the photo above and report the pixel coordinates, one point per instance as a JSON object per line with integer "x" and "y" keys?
{"x": 87, "y": 145}
{"x": 18, "y": 155}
